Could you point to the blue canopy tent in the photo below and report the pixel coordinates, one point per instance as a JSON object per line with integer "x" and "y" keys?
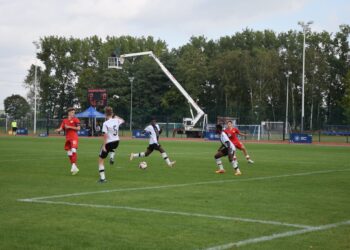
{"x": 90, "y": 113}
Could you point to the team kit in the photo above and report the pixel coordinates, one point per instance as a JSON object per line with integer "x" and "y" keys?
{"x": 110, "y": 130}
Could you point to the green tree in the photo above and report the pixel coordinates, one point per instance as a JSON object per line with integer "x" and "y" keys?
{"x": 345, "y": 101}
{"x": 192, "y": 73}
{"x": 16, "y": 106}
{"x": 242, "y": 75}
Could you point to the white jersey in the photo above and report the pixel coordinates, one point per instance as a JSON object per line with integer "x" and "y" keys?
{"x": 226, "y": 141}
{"x": 154, "y": 133}
{"x": 111, "y": 128}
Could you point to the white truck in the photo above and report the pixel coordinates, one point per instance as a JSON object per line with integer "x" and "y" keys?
{"x": 189, "y": 124}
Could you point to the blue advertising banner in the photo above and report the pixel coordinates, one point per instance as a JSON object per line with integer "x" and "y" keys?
{"x": 211, "y": 135}
{"x": 22, "y": 131}
{"x": 300, "y": 138}
{"x": 83, "y": 132}
{"x": 137, "y": 134}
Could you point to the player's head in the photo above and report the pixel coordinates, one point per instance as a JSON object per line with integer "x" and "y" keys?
{"x": 109, "y": 111}
{"x": 218, "y": 128}
{"x": 229, "y": 124}
{"x": 153, "y": 120}
{"x": 71, "y": 111}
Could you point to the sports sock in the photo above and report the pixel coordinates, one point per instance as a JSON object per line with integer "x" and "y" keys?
{"x": 137, "y": 155}
{"x": 234, "y": 164}
{"x": 219, "y": 163}
{"x": 247, "y": 157}
{"x": 166, "y": 158}
{"x": 112, "y": 155}
{"x": 101, "y": 170}
{"x": 74, "y": 167}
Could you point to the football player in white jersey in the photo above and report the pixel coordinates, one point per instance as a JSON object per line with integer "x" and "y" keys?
{"x": 110, "y": 130}
{"x": 227, "y": 148}
{"x": 153, "y": 130}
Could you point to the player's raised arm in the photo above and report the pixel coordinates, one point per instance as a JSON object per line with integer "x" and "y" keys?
{"x": 121, "y": 120}
{"x": 242, "y": 134}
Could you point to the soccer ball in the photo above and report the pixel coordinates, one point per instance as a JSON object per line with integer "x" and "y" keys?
{"x": 143, "y": 165}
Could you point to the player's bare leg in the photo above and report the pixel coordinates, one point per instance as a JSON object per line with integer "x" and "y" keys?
{"x": 246, "y": 155}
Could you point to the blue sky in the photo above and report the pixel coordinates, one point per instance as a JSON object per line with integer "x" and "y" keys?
{"x": 174, "y": 21}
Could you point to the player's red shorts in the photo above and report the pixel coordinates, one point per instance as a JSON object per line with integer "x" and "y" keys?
{"x": 71, "y": 143}
{"x": 238, "y": 144}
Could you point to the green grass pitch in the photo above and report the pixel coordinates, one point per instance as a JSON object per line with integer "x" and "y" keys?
{"x": 293, "y": 197}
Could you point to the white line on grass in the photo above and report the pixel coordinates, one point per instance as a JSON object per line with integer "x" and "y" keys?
{"x": 170, "y": 212}
{"x": 187, "y": 184}
{"x": 279, "y": 235}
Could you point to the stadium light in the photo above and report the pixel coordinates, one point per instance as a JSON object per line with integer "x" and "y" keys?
{"x": 36, "y": 44}
{"x": 287, "y": 74}
{"x": 131, "y": 78}
{"x": 306, "y": 28}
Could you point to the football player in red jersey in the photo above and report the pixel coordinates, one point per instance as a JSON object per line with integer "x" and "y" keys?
{"x": 232, "y": 135}
{"x": 71, "y": 125}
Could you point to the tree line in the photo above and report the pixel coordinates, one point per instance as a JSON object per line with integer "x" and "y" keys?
{"x": 243, "y": 75}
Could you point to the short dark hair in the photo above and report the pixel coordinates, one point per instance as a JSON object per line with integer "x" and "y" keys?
{"x": 70, "y": 109}
{"x": 218, "y": 127}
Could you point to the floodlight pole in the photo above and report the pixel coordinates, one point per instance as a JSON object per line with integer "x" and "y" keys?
{"x": 286, "y": 126}
{"x": 306, "y": 27}
{"x": 35, "y": 86}
{"x": 131, "y": 85}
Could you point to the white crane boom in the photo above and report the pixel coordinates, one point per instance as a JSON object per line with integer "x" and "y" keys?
{"x": 200, "y": 112}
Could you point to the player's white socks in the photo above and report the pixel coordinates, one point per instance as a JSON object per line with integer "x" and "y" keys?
{"x": 112, "y": 155}
{"x": 138, "y": 155}
{"x": 101, "y": 170}
{"x": 235, "y": 164}
{"x": 219, "y": 163}
{"x": 74, "y": 167}
{"x": 166, "y": 158}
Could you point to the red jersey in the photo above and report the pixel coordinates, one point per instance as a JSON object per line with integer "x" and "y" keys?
{"x": 232, "y": 134}
{"x": 71, "y": 134}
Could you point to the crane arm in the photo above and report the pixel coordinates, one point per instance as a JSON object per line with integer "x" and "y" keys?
{"x": 200, "y": 112}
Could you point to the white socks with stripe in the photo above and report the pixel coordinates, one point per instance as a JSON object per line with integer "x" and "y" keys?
{"x": 139, "y": 155}
{"x": 166, "y": 158}
{"x": 101, "y": 170}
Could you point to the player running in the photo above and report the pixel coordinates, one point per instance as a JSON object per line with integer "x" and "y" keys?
{"x": 110, "y": 129}
{"x": 71, "y": 125}
{"x": 154, "y": 131}
{"x": 232, "y": 135}
{"x": 227, "y": 148}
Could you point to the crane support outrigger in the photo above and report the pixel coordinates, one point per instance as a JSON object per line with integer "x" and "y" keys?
{"x": 189, "y": 123}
